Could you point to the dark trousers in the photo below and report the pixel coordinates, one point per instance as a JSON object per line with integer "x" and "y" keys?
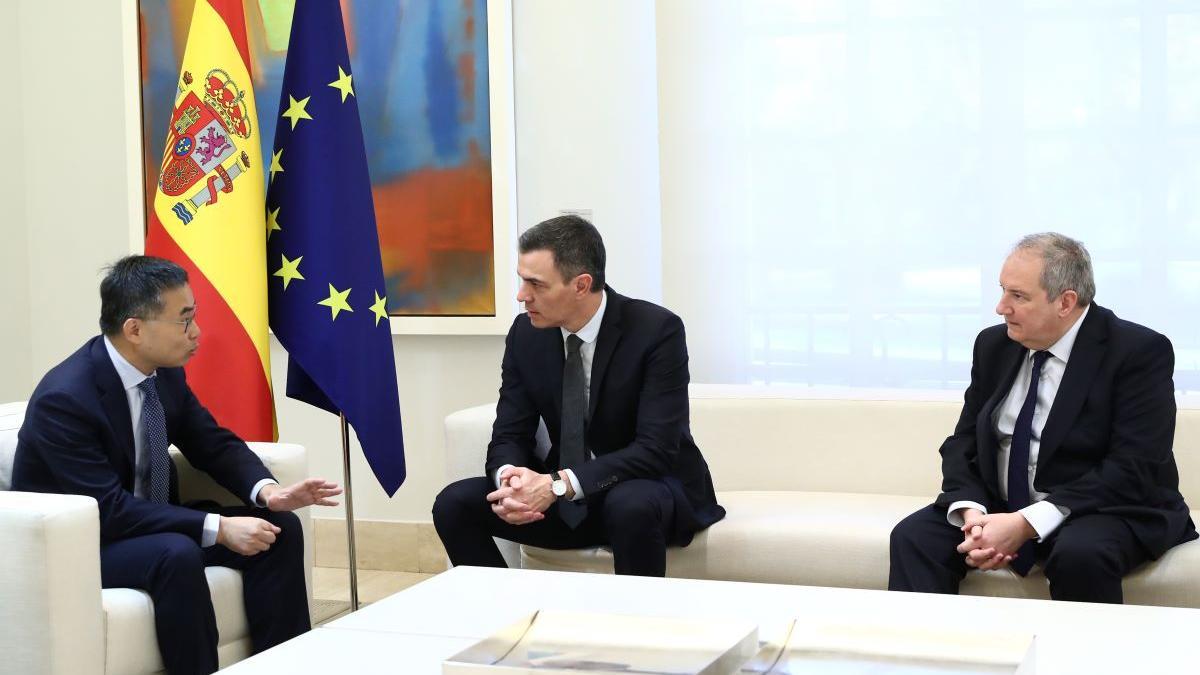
{"x": 1084, "y": 559}
{"x": 170, "y": 567}
{"x": 635, "y": 518}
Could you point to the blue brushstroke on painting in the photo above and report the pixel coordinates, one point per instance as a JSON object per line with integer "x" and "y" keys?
{"x": 443, "y": 101}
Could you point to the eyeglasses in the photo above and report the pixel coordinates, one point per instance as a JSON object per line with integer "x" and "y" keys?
{"x": 186, "y": 323}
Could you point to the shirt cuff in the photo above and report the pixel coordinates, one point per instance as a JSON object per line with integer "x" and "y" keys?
{"x": 496, "y": 478}
{"x": 574, "y": 485}
{"x": 1045, "y": 517}
{"x": 212, "y": 523}
{"x": 954, "y": 514}
{"x": 258, "y": 488}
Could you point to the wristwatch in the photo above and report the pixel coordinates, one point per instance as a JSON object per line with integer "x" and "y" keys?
{"x": 558, "y": 485}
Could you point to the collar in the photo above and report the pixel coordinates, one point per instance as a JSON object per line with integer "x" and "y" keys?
{"x": 1062, "y": 348}
{"x": 129, "y": 374}
{"x": 590, "y": 330}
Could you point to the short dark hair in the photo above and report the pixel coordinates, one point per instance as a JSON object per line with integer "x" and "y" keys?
{"x": 575, "y": 243}
{"x": 132, "y": 288}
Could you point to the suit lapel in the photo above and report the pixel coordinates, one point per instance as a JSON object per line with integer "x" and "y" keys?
{"x": 1077, "y": 380}
{"x": 114, "y": 401}
{"x": 985, "y": 428}
{"x": 606, "y": 344}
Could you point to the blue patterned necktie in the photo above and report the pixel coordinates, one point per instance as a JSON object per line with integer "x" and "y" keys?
{"x": 571, "y": 434}
{"x": 1018, "y": 461}
{"x": 154, "y": 442}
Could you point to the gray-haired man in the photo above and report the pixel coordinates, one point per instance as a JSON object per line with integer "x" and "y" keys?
{"x": 1062, "y": 454}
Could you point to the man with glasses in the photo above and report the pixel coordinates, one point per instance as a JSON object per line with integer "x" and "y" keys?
{"x": 99, "y": 424}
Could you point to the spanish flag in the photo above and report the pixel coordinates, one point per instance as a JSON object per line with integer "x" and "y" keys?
{"x": 209, "y": 217}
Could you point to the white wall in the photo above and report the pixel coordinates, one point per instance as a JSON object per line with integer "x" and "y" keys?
{"x": 15, "y": 346}
{"x": 575, "y": 150}
{"x": 74, "y": 172}
{"x": 704, "y": 178}
{"x": 587, "y": 127}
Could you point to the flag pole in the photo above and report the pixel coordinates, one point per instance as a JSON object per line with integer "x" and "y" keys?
{"x": 349, "y": 512}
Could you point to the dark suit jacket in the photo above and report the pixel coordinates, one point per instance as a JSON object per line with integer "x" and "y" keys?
{"x": 1106, "y": 445}
{"x": 77, "y": 438}
{"x": 637, "y": 411}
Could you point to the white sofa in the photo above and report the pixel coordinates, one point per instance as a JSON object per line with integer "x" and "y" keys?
{"x": 55, "y": 618}
{"x": 814, "y": 487}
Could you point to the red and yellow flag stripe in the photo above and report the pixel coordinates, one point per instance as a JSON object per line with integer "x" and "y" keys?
{"x": 209, "y": 217}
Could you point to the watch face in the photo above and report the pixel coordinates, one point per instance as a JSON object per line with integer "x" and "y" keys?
{"x": 559, "y": 488}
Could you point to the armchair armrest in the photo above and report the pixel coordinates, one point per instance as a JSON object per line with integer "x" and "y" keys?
{"x": 50, "y": 608}
{"x": 288, "y": 462}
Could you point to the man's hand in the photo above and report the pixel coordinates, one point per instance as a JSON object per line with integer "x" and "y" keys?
{"x": 246, "y": 535}
{"x": 991, "y": 541}
{"x": 305, "y": 493}
{"x": 523, "y": 497}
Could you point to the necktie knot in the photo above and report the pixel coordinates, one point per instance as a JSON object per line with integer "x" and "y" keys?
{"x": 1039, "y": 359}
{"x": 148, "y": 388}
{"x": 574, "y": 342}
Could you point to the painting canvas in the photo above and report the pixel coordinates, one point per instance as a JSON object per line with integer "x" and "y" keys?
{"x": 420, "y": 73}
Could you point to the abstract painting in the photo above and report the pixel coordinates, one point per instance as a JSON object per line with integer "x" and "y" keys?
{"x": 420, "y": 74}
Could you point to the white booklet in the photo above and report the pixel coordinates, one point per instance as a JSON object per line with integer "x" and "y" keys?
{"x": 568, "y": 643}
{"x": 812, "y": 646}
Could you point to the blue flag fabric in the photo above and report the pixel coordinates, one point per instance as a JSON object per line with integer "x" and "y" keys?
{"x": 327, "y": 298}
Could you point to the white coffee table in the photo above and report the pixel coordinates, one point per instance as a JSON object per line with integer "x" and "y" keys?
{"x": 415, "y": 629}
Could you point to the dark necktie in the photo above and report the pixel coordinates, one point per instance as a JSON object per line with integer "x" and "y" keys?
{"x": 571, "y": 438}
{"x": 154, "y": 443}
{"x": 1018, "y": 461}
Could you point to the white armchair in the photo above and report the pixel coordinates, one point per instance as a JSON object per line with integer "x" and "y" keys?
{"x": 55, "y": 618}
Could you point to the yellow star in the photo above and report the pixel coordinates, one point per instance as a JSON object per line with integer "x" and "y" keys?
{"x": 289, "y": 271}
{"x": 276, "y": 167}
{"x": 343, "y": 84}
{"x": 273, "y": 224}
{"x": 380, "y": 308}
{"x": 336, "y": 301}
{"x": 296, "y": 111}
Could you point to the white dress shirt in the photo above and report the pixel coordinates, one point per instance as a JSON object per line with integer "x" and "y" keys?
{"x": 588, "y": 334}
{"x": 131, "y": 377}
{"x": 1044, "y": 516}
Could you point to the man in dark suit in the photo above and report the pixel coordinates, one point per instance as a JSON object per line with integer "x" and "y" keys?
{"x": 609, "y": 376}
{"x": 99, "y": 424}
{"x": 1062, "y": 454}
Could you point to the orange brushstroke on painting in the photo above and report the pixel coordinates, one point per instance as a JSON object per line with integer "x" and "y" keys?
{"x": 440, "y": 211}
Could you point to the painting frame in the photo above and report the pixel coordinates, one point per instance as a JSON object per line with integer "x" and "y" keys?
{"x": 502, "y": 112}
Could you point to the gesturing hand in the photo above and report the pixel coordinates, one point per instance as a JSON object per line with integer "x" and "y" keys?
{"x": 246, "y": 535}
{"x": 305, "y": 493}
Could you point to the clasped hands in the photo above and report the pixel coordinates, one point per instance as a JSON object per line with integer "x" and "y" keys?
{"x": 523, "y": 496}
{"x": 990, "y": 541}
{"x": 248, "y": 535}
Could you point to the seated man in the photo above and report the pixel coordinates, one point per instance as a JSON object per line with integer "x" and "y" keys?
{"x": 1062, "y": 454}
{"x": 609, "y": 376}
{"x": 99, "y": 424}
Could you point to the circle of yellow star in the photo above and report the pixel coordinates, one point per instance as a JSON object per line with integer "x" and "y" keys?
{"x": 336, "y": 302}
{"x": 379, "y": 308}
{"x": 290, "y": 270}
{"x": 276, "y": 166}
{"x": 296, "y": 111}
{"x": 343, "y": 84}
{"x": 273, "y": 225}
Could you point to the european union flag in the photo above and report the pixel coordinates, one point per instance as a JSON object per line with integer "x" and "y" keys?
{"x": 327, "y": 299}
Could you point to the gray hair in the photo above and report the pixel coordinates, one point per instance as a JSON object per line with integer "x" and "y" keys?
{"x": 1066, "y": 265}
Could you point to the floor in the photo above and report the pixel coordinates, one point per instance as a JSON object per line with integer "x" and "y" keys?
{"x": 331, "y": 589}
